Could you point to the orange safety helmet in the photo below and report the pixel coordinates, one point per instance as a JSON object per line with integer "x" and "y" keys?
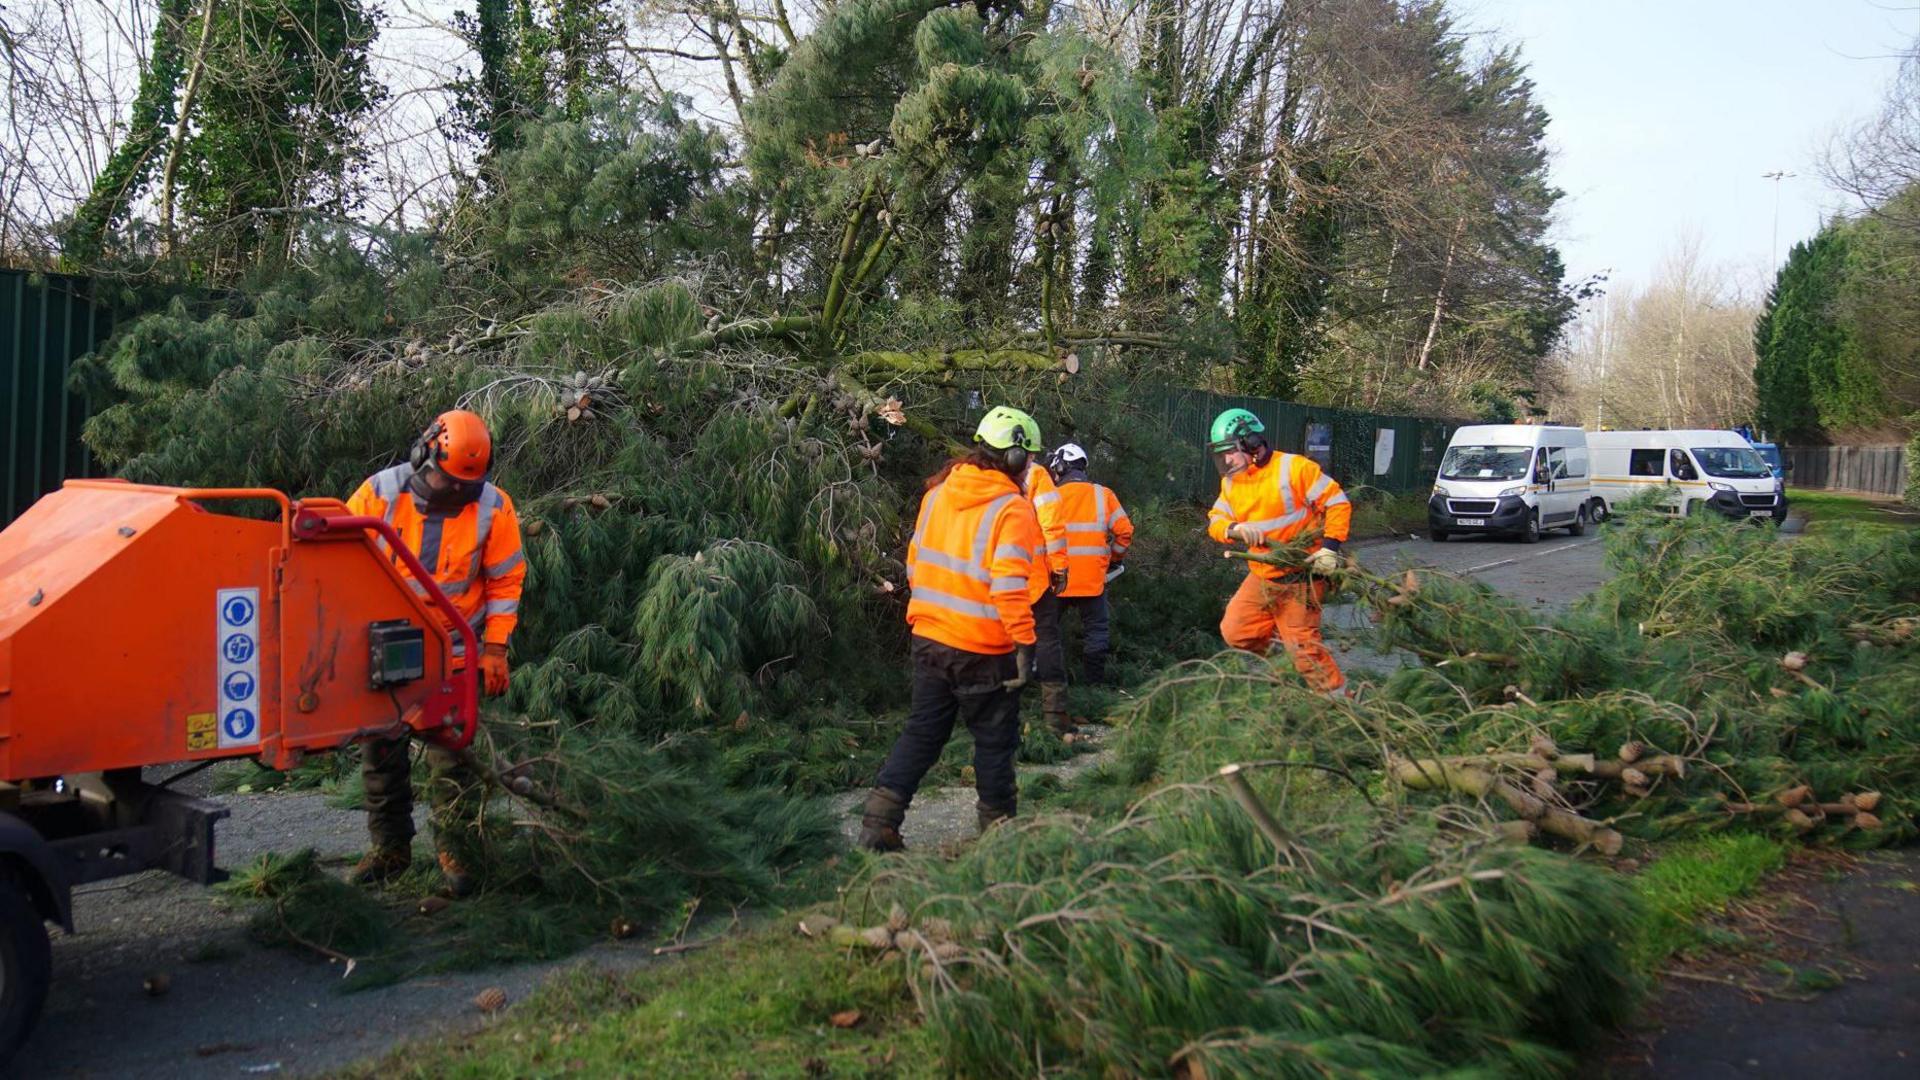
{"x": 458, "y": 444}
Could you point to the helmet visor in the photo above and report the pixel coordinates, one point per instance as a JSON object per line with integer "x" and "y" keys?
{"x": 1228, "y": 457}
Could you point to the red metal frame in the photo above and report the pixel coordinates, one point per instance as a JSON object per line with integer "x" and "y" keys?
{"x": 466, "y": 683}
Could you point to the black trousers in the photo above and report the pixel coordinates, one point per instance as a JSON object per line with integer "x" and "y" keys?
{"x": 950, "y": 683}
{"x": 1094, "y": 624}
{"x": 1049, "y": 651}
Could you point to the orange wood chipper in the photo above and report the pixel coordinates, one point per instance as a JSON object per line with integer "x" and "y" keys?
{"x": 145, "y": 626}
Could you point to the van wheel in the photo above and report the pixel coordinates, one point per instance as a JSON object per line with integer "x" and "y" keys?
{"x": 26, "y": 966}
{"x": 1531, "y": 534}
{"x": 1579, "y": 526}
{"x": 1599, "y": 513}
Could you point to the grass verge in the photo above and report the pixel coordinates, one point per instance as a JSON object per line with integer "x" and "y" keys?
{"x": 767, "y": 1004}
{"x": 1694, "y": 879}
{"x": 1822, "y": 507}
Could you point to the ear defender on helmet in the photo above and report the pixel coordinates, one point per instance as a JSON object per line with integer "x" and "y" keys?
{"x": 1012, "y": 435}
{"x": 421, "y": 455}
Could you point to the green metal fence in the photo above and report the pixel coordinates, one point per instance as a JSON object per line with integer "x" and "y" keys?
{"x": 47, "y": 321}
{"x": 1361, "y": 449}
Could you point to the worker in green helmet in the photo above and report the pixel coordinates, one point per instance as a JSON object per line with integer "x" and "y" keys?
{"x": 975, "y": 557}
{"x": 1269, "y": 498}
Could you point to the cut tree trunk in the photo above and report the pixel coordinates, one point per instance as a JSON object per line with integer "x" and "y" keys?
{"x": 1481, "y": 783}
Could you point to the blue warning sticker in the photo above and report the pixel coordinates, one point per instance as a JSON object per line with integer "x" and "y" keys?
{"x": 237, "y": 639}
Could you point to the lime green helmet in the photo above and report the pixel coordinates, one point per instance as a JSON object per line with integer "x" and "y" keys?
{"x": 1011, "y": 434}
{"x": 1232, "y": 426}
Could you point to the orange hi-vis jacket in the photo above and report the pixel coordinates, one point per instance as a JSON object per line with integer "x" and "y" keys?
{"x": 474, "y": 553}
{"x": 1046, "y": 503}
{"x": 974, "y": 556}
{"x": 1287, "y": 496}
{"x": 1098, "y": 532}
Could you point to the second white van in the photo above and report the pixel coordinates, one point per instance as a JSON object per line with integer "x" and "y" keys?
{"x": 1695, "y": 471}
{"x": 1512, "y": 479}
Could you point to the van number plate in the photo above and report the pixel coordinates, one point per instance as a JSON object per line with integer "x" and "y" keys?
{"x": 1470, "y": 521}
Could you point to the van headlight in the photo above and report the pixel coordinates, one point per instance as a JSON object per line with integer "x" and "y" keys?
{"x": 1439, "y": 491}
{"x": 1717, "y": 486}
{"x": 1512, "y": 491}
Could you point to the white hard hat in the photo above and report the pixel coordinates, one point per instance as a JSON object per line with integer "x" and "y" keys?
{"x": 1069, "y": 453}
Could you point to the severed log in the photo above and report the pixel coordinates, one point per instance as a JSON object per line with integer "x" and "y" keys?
{"x": 1590, "y": 765}
{"x": 1481, "y": 783}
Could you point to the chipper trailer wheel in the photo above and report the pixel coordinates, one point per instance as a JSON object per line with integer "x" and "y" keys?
{"x": 26, "y": 965}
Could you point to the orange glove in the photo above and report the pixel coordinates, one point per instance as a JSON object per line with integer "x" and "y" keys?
{"x": 493, "y": 669}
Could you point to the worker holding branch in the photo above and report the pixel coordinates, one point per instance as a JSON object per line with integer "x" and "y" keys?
{"x": 976, "y": 551}
{"x": 465, "y": 531}
{"x": 1267, "y": 499}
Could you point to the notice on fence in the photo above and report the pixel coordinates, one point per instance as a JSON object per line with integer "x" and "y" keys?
{"x": 1382, "y": 451}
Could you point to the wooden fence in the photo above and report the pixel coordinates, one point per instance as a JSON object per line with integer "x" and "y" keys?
{"x": 1871, "y": 470}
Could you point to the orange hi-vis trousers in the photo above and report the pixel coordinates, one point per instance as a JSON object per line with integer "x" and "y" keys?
{"x": 1262, "y": 610}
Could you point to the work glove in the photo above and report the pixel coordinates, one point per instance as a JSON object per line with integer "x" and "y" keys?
{"x": 1059, "y": 578}
{"x": 493, "y": 669}
{"x": 1325, "y": 561}
{"x": 1022, "y": 666}
{"x": 1248, "y": 534}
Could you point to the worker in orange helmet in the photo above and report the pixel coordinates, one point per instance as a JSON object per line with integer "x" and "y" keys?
{"x": 1098, "y": 533}
{"x": 465, "y": 531}
{"x": 1267, "y": 499}
{"x": 976, "y": 551}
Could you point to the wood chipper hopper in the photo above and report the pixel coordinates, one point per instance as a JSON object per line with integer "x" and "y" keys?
{"x": 146, "y": 626}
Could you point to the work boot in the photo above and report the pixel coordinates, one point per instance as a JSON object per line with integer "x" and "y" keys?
{"x": 1053, "y": 705}
{"x": 460, "y": 881}
{"x": 880, "y": 821}
{"x": 992, "y": 815}
{"x": 380, "y": 865}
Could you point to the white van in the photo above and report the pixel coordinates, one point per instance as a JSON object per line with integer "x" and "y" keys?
{"x": 1696, "y": 471}
{"x": 1514, "y": 479}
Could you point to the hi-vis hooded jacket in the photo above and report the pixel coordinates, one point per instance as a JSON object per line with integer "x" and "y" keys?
{"x": 1038, "y": 484}
{"x": 473, "y": 553}
{"x": 1287, "y": 496}
{"x": 1098, "y": 531}
{"x": 974, "y": 556}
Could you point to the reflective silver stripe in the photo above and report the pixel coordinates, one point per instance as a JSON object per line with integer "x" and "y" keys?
{"x": 387, "y": 486}
{"x": 490, "y": 500}
{"x": 1223, "y": 506}
{"x": 1338, "y": 499}
{"x": 1118, "y": 548}
{"x": 985, "y": 532}
{"x": 1047, "y": 499}
{"x": 1094, "y": 551}
{"x": 1285, "y": 476}
{"x": 1271, "y": 524}
{"x": 956, "y": 565}
{"x": 1099, "y": 505}
{"x": 430, "y": 532}
{"x": 953, "y": 603}
{"x": 1009, "y": 584}
{"x": 502, "y": 607}
{"x": 1012, "y": 551}
{"x": 507, "y": 564}
{"x": 451, "y": 588}
{"x": 1092, "y": 530}
{"x": 1055, "y": 547}
{"x": 1319, "y": 488}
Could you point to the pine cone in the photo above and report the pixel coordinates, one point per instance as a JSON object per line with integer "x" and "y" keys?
{"x": 1544, "y": 747}
{"x": 1631, "y": 751}
{"x": 1793, "y": 796}
{"x": 1866, "y": 821}
{"x": 896, "y": 918}
{"x": 1794, "y": 661}
{"x": 1867, "y": 800}
{"x": 492, "y": 999}
{"x": 1634, "y": 778}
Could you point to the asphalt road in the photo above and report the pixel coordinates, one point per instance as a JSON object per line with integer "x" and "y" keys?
{"x": 235, "y": 1008}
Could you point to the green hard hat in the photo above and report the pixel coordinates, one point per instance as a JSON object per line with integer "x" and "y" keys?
{"x": 1233, "y": 425}
{"x": 1004, "y": 428}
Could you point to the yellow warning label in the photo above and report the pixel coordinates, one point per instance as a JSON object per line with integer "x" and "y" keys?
{"x": 203, "y": 732}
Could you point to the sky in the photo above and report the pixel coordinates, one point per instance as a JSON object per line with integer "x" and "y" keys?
{"x": 1664, "y": 115}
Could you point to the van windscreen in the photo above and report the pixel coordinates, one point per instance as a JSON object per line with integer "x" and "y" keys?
{"x": 1486, "y": 463}
{"x": 1732, "y": 462}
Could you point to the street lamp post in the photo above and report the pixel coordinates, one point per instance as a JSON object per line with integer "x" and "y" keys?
{"x": 1777, "y": 175}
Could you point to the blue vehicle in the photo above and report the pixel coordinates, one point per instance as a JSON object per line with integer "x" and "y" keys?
{"x": 1769, "y": 452}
